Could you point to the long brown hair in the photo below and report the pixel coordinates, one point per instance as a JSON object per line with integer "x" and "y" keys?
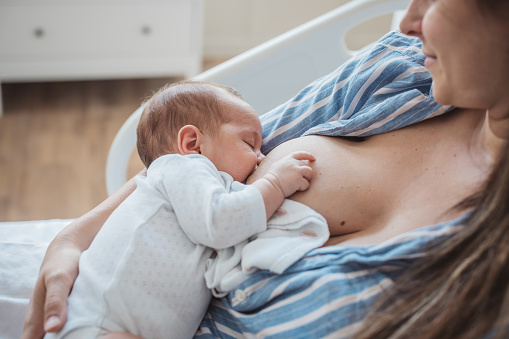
{"x": 461, "y": 289}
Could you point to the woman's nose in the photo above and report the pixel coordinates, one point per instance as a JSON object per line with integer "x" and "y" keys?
{"x": 260, "y": 158}
{"x": 412, "y": 21}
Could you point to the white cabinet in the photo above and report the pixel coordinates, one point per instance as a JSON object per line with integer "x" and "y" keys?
{"x": 90, "y": 39}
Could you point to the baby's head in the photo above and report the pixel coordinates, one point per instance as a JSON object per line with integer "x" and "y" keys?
{"x": 193, "y": 117}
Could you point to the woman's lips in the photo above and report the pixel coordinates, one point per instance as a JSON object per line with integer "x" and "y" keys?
{"x": 430, "y": 60}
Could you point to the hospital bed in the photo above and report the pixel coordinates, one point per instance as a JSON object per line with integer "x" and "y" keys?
{"x": 266, "y": 75}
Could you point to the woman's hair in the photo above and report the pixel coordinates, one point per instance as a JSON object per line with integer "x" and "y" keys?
{"x": 459, "y": 290}
{"x": 174, "y": 106}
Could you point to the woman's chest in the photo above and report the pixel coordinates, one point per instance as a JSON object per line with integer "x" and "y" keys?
{"x": 392, "y": 182}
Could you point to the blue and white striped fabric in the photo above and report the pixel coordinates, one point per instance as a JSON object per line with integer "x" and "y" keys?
{"x": 328, "y": 292}
{"x": 384, "y": 88}
{"x": 324, "y": 295}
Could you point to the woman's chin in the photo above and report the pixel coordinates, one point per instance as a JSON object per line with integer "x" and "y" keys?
{"x": 439, "y": 95}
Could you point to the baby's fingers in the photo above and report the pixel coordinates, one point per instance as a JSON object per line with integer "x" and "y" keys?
{"x": 303, "y": 184}
{"x": 303, "y": 155}
{"x": 306, "y": 172}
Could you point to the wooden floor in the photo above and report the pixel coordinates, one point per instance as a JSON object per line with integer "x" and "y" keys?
{"x": 54, "y": 140}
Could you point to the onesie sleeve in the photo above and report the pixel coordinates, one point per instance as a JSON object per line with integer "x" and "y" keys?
{"x": 208, "y": 211}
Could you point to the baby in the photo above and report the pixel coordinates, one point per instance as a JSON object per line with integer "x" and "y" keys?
{"x": 191, "y": 227}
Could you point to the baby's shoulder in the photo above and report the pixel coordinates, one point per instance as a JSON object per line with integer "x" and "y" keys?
{"x": 179, "y": 161}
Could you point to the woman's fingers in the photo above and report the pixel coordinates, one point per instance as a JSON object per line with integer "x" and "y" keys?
{"x": 58, "y": 284}
{"x": 58, "y": 287}
{"x": 47, "y": 311}
{"x": 34, "y": 319}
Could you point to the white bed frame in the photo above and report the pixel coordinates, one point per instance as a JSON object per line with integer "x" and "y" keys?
{"x": 266, "y": 76}
{"x": 274, "y": 71}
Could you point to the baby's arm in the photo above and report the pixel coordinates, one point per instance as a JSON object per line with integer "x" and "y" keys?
{"x": 285, "y": 177}
{"x": 212, "y": 215}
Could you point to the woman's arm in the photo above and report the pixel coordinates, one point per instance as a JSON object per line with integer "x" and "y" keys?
{"x": 47, "y": 311}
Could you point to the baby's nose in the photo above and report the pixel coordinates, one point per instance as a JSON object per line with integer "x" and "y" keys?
{"x": 260, "y": 158}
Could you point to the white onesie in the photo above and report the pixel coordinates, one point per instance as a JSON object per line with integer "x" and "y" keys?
{"x": 144, "y": 271}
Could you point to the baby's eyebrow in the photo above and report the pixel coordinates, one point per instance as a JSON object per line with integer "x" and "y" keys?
{"x": 251, "y": 132}
{"x": 255, "y": 135}
{"x": 251, "y": 136}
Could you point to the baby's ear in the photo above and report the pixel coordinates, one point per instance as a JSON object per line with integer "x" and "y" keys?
{"x": 189, "y": 140}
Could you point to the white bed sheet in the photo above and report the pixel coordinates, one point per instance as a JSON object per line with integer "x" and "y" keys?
{"x": 22, "y": 248}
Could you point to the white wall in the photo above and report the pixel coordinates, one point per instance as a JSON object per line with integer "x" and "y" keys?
{"x": 233, "y": 26}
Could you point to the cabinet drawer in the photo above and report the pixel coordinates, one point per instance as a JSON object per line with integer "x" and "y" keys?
{"x": 62, "y": 32}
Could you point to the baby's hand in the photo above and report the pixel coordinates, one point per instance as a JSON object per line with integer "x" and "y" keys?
{"x": 291, "y": 173}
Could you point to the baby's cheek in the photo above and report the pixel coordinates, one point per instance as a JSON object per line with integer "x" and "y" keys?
{"x": 263, "y": 167}
{"x": 245, "y": 170}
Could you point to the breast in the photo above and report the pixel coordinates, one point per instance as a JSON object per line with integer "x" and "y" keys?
{"x": 349, "y": 186}
{"x": 389, "y": 183}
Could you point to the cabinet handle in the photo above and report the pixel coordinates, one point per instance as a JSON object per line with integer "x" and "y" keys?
{"x": 38, "y": 32}
{"x": 146, "y": 30}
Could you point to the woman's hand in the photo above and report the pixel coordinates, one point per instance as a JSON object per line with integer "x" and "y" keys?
{"x": 47, "y": 311}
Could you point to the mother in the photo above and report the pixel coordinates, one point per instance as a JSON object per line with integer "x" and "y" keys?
{"x": 380, "y": 188}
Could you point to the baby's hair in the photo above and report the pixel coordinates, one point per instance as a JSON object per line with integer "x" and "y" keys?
{"x": 174, "y": 106}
